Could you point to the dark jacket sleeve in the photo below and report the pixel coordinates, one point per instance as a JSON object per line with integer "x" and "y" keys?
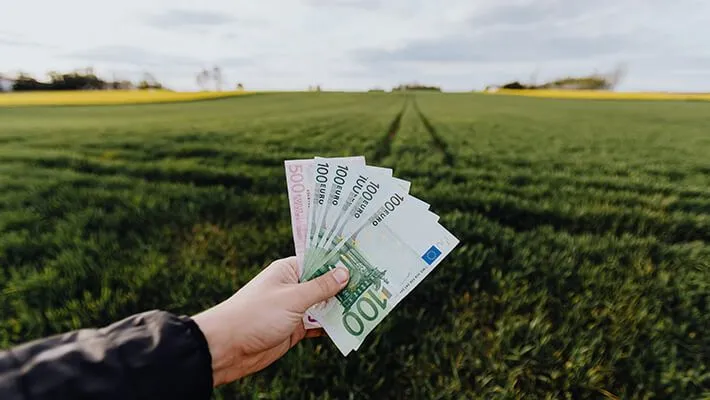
{"x": 154, "y": 355}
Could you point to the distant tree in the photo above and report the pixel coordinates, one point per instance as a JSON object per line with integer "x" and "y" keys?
{"x": 25, "y": 82}
{"x": 217, "y": 78}
{"x": 149, "y": 82}
{"x": 415, "y": 86}
{"x": 203, "y": 78}
{"x": 80, "y": 79}
{"x": 119, "y": 84}
{"x": 122, "y": 85}
{"x": 595, "y": 81}
{"x": 240, "y": 87}
{"x": 54, "y": 76}
{"x": 617, "y": 75}
{"x": 514, "y": 86}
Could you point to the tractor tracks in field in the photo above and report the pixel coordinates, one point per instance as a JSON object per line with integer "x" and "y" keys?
{"x": 383, "y": 148}
{"x": 438, "y": 142}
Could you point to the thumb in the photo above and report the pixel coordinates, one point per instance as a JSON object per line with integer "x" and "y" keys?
{"x": 321, "y": 288}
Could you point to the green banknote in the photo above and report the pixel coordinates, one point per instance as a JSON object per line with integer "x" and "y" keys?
{"x": 387, "y": 257}
{"x": 325, "y": 171}
{"x": 332, "y": 180}
{"x": 369, "y": 191}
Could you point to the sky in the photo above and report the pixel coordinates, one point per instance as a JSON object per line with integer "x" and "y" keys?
{"x": 460, "y": 45}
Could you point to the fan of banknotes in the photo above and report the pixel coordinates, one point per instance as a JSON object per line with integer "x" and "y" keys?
{"x": 347, "y": 213}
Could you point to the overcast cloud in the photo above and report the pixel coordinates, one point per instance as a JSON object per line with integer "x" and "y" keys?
{"x": 183, "y": 18}
{"x": 358, "y": 44}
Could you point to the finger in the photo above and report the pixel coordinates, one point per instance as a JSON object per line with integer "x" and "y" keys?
{"x": 289, "y": 269}
{"x": 321, "y": 288}
{"x": 314, "y": 333}
{"x": 292, "y": 262}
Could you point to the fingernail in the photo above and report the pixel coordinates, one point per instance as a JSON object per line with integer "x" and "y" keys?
{"x": 341, "y": 275}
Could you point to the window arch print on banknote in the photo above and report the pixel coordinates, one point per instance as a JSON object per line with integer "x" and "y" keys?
{"x": 363, "y": 274}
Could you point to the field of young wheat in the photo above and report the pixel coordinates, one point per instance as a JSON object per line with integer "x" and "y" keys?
{"x": 583, "y": 270}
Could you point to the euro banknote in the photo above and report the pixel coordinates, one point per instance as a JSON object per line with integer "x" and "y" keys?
{"x": 311, "y": 214}
{"x": 365, "y": 196}
{"x": 347, "y": 213}
{"x": 387, "y": 259}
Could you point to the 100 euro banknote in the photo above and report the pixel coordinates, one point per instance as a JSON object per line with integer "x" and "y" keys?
{"x": 315, "y": 188}
{"x": 368, "y": 191}
{"x": 332, "y": 179}
{"x": 387, "y": 258}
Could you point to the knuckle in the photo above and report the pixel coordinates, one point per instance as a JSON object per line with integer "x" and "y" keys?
{"x": 323, "y": 285}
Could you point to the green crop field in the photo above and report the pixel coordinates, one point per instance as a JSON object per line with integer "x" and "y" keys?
{"x": 583, "y": 272}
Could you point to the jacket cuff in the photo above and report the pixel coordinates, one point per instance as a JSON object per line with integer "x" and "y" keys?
{"x": 205, "y": 359}
{"x": 165, "y": 356}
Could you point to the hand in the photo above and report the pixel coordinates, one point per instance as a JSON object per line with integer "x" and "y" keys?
{"x": 264, "y": 319}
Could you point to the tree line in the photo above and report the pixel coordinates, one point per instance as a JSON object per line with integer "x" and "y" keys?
{"x": 595, "y": 81}
{"x": 415, "y": 86}
{"x": 83, "y": 79}
{"x": 87, "y": 79}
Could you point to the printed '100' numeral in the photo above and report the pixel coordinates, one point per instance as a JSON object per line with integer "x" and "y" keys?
{"x": 368, "y": 308}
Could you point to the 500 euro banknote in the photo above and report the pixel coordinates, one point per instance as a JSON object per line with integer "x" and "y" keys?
{"x": 299, "y": 182}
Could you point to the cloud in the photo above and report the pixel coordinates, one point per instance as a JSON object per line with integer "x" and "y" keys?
{"x": 15, "y": 40}
{"x": 359, "y": 4}
{"x": 512, "y": 39}
{"x": 531, "y": 31}
{"x": 181, "y": 18}
{"x": 229, "y": 36}
{"x": 540, "y": 12}
{"x": 130, "y": 55}
{"x": 359, "y": 43}
{"x": 230, "y": 62}
{"x": 11, "y": 42}
{"x": 515, "y": 45}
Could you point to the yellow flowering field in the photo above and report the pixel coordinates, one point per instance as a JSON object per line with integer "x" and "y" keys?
{"x": 602, "y": 95}
{"x": 107, "y": 97}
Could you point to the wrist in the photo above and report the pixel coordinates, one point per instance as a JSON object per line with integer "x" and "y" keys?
{"x": 224, "y": 355}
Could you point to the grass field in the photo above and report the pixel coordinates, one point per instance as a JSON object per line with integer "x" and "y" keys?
{"x": 583, "y": 273}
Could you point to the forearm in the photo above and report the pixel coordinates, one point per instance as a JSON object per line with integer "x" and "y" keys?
{"x": 150, "y": 355}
